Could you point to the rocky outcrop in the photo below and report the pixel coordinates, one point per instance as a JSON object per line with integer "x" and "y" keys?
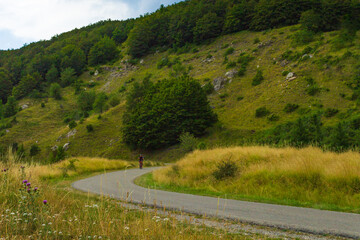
{"x": 231, "y": 74}
{"x": 219, "y": 83}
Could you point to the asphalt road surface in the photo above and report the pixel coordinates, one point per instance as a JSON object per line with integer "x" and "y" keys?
{"x": 121, "y": 185}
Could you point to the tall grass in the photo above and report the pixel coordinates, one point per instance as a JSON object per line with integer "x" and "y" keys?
{"x": 308, "y": 177}
{"x": 67, "y": 214}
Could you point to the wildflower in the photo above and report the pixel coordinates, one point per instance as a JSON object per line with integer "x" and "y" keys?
{"x": 43, "y": 224}
{"x": 45, "y": 202}
{"x": 28, "y": 184}
{"x": 60, "y": 233}
{"x": 25, "y": 181}
{"x": 22, "y": 167}
{"x": 28, "y": 190}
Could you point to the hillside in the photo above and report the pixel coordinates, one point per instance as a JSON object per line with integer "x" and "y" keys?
{"x": 332, "y": 65}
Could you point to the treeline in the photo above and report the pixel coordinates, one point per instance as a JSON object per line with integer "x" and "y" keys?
{"x": 198, "y": 20}
{"x": 30, "y": 70}
{"x": 309, "y": 130}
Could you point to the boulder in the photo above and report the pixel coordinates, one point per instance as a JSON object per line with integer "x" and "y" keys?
{"x": 25, "y": 106}
{"x": 290, "y": 76}
{"x": 54, "y": 148}
{"x": 66, "y": 146}
{"x": 71, "y": 133}
{"x": 219, "y": 83}
{"x": 96, "y": 73}
{"x": 231, "y": 74}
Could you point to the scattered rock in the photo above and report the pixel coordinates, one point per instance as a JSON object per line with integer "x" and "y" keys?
{"x": 265, "y": 44}
{"x": 66, "y": 146}
{"x": 71, "y": 133}
{"x": 96, "y": 73}
{"x": 290, "y": 76}
{"x": 25, "y": 106}
{"x": 54, "y": 148}
{"x": 284, "y": 63}
{"x": 219, "y": 83}
{"x": 209, "y": 60}
{"x": 307, "y": 55}
{"x": 142, "y": 61}
{"x": 231, "y": 74}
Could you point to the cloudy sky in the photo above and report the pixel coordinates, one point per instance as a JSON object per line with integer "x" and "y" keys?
{"x": 25, "y": 21}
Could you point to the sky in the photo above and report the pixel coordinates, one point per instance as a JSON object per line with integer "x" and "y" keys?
{"x": 26, "y": 21}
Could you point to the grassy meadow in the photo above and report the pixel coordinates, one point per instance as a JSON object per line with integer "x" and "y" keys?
{"x": 302, "y": 177}
{"x": 41, "y": 209}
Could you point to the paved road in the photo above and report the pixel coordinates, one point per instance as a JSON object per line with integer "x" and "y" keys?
{"x": 120, "y": 185}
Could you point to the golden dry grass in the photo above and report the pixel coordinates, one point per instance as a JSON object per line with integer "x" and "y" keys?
{"x": 306, "y": 176}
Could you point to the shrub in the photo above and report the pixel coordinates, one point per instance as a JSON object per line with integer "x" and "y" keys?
{"x": 114, "y": 101}
{"x": 273, "y": 118}
{"x": 330, "y": 112}
{"x": 34, "y": 150}
{"x": 258, "y": 78}
{"x": 225, "y": 169}
{"x": 163, "y": 62}
{"x": 208, "y": 88}
{"x": 42, "y": 105}
{"x": 86, "y": 100}
{"x": 290, "y": 107}
{"x": 89, "y": 128}
{"x": 223, "y": 96}
{"x": 230, "y": 65}
{"x": 256, "y": 40}
{"x": 261, "y": 112}
{"x": 59, "y": 154}
{"x": 201, "y": 146}
{"x": 72, "y": 124}
{"x": 285, "y": 73}
{"x": 187, "y": 141}
{"x": 313, "y": 90}
{"x": 239, "y": 98}
{"x": 55, "y": 91}
{"x": 229, "y": 51}
{"x": 303, "y": 37}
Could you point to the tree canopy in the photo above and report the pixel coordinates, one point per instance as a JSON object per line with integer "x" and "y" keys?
{"x": 156, "y": 114}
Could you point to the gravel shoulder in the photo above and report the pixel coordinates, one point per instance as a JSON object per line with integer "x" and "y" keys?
{"x": 120, "y": 185}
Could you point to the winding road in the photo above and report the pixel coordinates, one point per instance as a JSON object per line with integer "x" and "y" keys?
{"x": 121, "y": 185}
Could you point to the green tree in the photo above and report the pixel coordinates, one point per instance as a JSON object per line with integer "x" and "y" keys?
{"x": 100, "y": 101}
{"x": 78, "y": 61}
{"x": 208, "y": 26}
{"x": 86, "y": 100}
{"x": 238, "y": 18}
{"x": 34, "y": 150}
{"x": 103, "y": 51}
{"x": 26, "y": 85}
{"x": 311, "y": 21}
{"x": 156, "y": 114}
{"x": 5, "y": 85}
{"x": 68, "y": 76}
{"x": 52, "y": 75}
{"x": 10, "y": 108}
{"x": 55, "y": 91}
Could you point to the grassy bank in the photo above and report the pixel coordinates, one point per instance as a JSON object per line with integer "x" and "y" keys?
{"x": 302, "y": 177}
{"x": 68, "y": 214}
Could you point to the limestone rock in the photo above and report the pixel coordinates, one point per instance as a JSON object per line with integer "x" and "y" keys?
{"x": 142, "y": 61}
{"x": 96, "y": 73}
{"x": 54, "y": 148}
{"x": 66, "y": 146}
{"x": 219, "y": 83}
{"x": 284, "y": 63}
{"x": 231, "y": 74}
{"x": 71, "y": 133}
{"x": 291, "y": 76}
{"x": 25, "y": 106}
{"x": 265, "y": 44}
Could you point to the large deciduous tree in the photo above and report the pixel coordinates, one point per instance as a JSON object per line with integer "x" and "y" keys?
{"x": 157, "y": 114}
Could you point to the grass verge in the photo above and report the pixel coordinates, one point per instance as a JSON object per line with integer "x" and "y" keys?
{"x": 299, "y": 177}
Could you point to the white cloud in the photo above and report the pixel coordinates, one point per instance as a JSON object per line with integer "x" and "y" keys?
{"x": 42, "y": 19}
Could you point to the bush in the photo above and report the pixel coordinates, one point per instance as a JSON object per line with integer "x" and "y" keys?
{"x": 303, "y": 37}
{"x": 86, "y": 101}
{"x": 258, "y": 78}
{"x": 55, "y": 91}
{"x": 42, "y": 105}
{"x": 114, "y": 101}
{"x": 187, "y": 142}
{"x": 256, "y": 40}
{"x": 34, "y": 150}
{"x": 223, "y": 96}
{"x": 230, "y": 65}
{"x": 72, "y": 124}
{"x": 290, "y": 107}
{"x": 239, "y": 98}
{"x": 261, "y": 112}
{"x": 273, "y": 118}
{"x": 208, "y": 88}
{"x": 229, "y": 51}
{"x": 330, "y": 112}
{"x": 201, "y": 146}
{"x": 225, "y": 169}
{"x": 89, "y": 128}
